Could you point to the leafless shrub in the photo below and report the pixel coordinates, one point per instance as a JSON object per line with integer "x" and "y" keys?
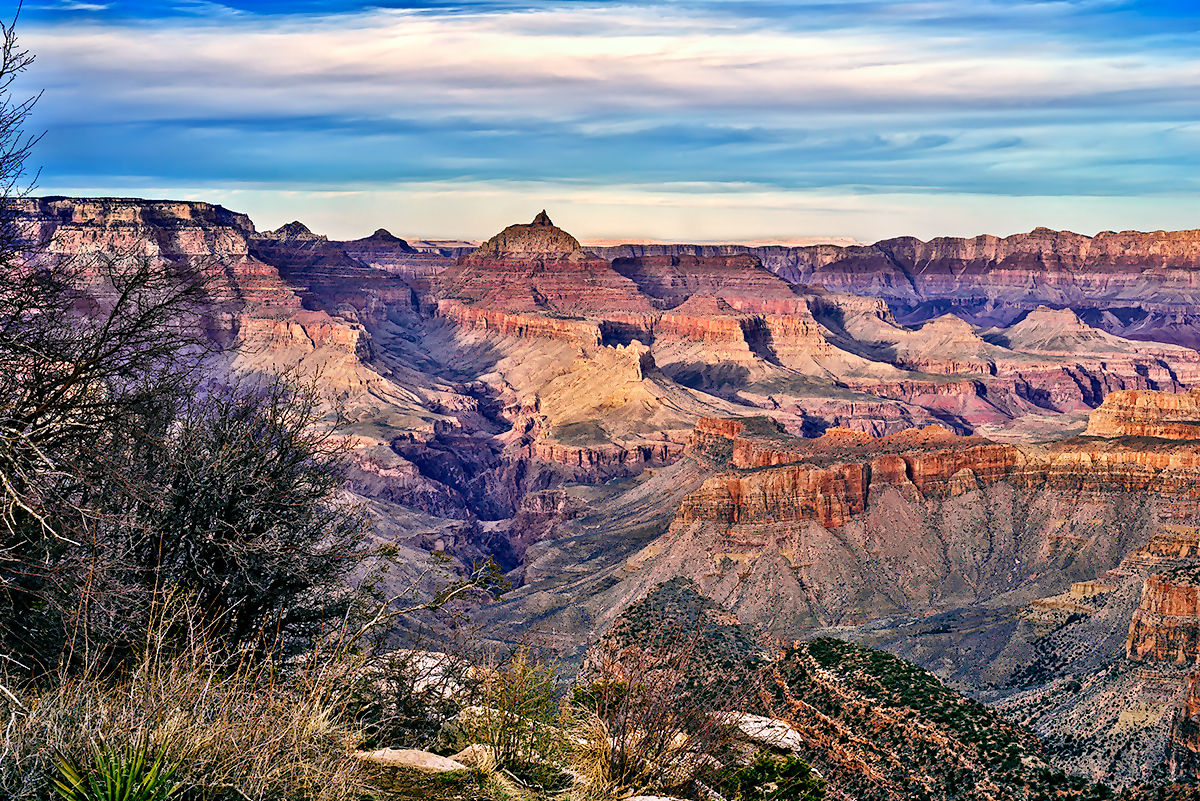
{"x": 408, "y": 694}
{"x": 647, "y": 714}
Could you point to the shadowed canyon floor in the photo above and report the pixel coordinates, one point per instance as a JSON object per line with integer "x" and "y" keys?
{"x": 1006, "y": 494}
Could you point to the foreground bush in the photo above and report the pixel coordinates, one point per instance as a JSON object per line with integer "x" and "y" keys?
{"x": 234, "y": 731}
{"x": 772, "y": 778}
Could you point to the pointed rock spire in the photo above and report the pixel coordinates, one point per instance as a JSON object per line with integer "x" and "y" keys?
{"x": 538, "y": 239}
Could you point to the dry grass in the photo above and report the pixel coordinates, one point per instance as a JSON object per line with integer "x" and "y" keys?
{"x": 238, "y": 732}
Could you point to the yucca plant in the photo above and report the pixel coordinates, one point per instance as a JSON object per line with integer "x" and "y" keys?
{"x": 128, "y": 774}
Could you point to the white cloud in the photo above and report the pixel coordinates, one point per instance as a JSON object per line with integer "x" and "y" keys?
{"x": 573, "y": 64}
{"x": 855, "y": 127}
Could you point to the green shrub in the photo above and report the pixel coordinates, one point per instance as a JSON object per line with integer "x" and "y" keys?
{"x": 519, "y": 714}
{"x": 127, "y": 774}
{"x": 601, "y": 696}
{"x": 769, "y": 778}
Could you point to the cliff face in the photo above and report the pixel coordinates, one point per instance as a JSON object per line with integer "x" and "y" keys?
{"x": 1183, "y": 743}
{"x": 177, "y": 220}
{"x": 579, "y": 332}
{"x": 673, "y": 279}
{"x": 1166, "y": 626}
{"x": 1147, "y": 414}
{"x": 1140, "y": 285}
{"x": 832, "y": 478}
{"x": 598, "y": 463}
{"x": 206, "y": 237}
{"x": 255, "y": 306}
{"x": 778, "y": 477}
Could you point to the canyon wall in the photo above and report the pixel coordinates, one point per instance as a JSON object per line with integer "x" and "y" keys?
{"x": 1166, "y": 626}
{"x": 1139, "y": 285}
{"x": 1147, "y": 414}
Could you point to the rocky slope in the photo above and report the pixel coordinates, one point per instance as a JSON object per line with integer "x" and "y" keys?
{"x": 804, "y": 533}
{"x": 873, "y": 726}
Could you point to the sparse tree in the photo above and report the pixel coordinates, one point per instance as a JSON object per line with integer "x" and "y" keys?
{"x": 91, "y": 352}
{"x": 248, "y": 520}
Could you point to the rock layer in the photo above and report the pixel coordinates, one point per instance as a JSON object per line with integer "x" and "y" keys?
{"x": 1138, "y": 285}
{"x": 1147, "y": 414}
{"x": 831, "y": 479}
{"x": 1166, "y": 626}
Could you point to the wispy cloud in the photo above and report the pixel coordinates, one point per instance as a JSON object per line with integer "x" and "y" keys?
{"x": 67, "y": 6}
{"x": 997, "y": 98}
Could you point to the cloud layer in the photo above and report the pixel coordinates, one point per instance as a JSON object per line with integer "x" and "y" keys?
{"x": 742, "y": 106}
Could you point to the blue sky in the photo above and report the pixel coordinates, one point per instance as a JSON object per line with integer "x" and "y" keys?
{"x": 698, "y": 120}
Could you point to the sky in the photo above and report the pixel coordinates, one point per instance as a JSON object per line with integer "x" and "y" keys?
{"x": 671, "y": 120}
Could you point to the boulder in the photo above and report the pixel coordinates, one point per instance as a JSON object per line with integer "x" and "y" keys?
{"x": 476, "y": 755}
{"x": 411, "y": 759}
{"x": 765, "y": 731}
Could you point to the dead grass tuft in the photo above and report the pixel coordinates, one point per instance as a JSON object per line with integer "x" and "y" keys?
{"x": 237, "y": 731}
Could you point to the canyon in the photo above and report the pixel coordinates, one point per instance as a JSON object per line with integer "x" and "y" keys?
{"x": 980, "y": 455}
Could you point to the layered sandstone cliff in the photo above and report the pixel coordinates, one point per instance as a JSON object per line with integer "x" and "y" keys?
{"x": 254, "y": 305}
{"x": 830, "y": 479}
{"x": 768, "y": 476}
{"x": 1148, "y": 414}
{"x": 772, "y": 476}
{"x": 1166, "y": 626}
{"x": 1138, "y": 285}
{"x": 198, "y": 235}
{"x": 673, "y": 279}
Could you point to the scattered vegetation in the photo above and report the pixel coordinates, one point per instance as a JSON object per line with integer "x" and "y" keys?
{"x": 647, "y": 715}
{"x": 519, "y": 712}
{"x": 772, "y": 778}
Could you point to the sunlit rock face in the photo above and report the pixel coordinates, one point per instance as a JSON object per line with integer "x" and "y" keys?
{"x": 539, "y": 267}
{"x": 1148, "y": 414}
{"x": 1166, "y": 626}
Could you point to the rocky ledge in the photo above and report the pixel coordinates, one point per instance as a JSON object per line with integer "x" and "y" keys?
{"x": 1166, "y": 626}
{"x": 775, "y": 477}
{"x": 767, "y": 475}
{"x": 1133, "y": 413}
